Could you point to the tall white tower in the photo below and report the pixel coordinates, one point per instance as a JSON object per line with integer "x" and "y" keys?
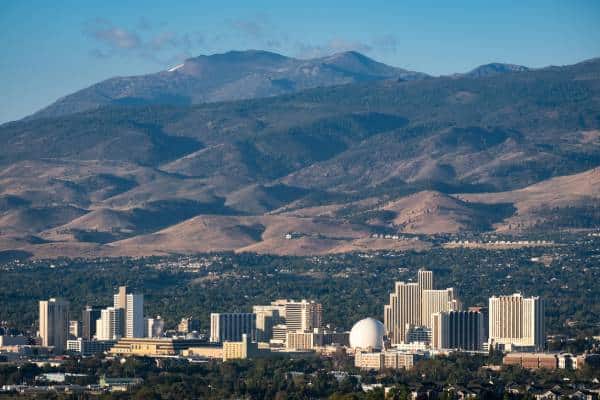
{"x": 516, "y": 321}
{"x": 54, "y": 323}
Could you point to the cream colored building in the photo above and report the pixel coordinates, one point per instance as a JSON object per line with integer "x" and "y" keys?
{"x": 244, "y": 349}
{"x": 404, "y": 308}
{"x": 516, "y": 322}
{"x": 132, "y": 324}
{"x": 392, "y": 359}
{"x": 303, "y": 315}
{"x": 289, "y": 315}
{"x": 315, "y": 339}
{"x": 153, "y": 347}
{"x": 54, "y": 323}
{"x": 436, "y": 301}
{"x": 110, "y": 324}
{"x": 413, "y": 304}
{"x": 425, "y": 279}
{"x": 205, "y": 351}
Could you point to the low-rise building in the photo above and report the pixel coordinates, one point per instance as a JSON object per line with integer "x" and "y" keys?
{"x": 532, "y": 360}
{"x": 119, "y": 384}
{"x": 208, "y": 350}
{"x": 87, "y": 347}
{"x": 244, "y": 349}
{"x": 311, "y": 340}
{"x": 392, "y": 359}
{"x": 153, "y": 347}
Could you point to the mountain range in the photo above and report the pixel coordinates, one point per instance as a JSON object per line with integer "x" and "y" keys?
{"x": 234, "y": 75}
{"x": 253, "y": 151}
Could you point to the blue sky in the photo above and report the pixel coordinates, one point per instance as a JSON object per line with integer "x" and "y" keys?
{"x": 52, "y": 48}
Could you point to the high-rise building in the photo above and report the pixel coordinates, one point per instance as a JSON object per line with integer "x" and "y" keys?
{"x": 120, "y": 298}
{"x": 435, "y": 301}
{"x": 88, "y": 322}
{"x": 188, "y": 325}
{"x": 425, "y": 279}
{"x": 109, "y": 325}
{"x": 133, "y": 312}
{"x": 516, "y": 321}
{"x": 303, "y": 315}
{"x": 266, "y": 318}
{"x": 134, "y": 324}
{"x": 412, "y": 304}
{"x": 460, "y": 330}
{"x": 404, "y": 308}
{"x": 54, "y": 323}
{"x": 486, "y": 320}
{"x": 231, "y": 326}
{"x": 120, "y": 302}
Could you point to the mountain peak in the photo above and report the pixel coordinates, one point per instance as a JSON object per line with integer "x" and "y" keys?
{"x": 495, "y": 68}
{"x": 233, "y": 75}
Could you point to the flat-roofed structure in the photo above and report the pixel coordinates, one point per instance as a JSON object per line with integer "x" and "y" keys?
{"x": 207, "y": 350}
{"x": 532, "y": 360}
{"x": 392, "y": 359}
{"x": 244, "y": 349}
{"x": 87, "y": 347}
{"x": 231, "y": 326}
{"x": 153, "y": 347}
{"x": 54, "y": 323}
{"x": 516, "y": 322}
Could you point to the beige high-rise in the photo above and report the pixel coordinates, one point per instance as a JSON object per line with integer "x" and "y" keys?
{"x": 54, "y": 323}
{"x": 109, "y": 325}
{"x": 303, "y": 315}
{"x": 435, "y": 301}
{"x": 516, "y": 321}
{"x": 425, "y": 279}
{"x": 404, "y": 308}
{"x": 413, "y": 304}
{"x": 132, "y": 324}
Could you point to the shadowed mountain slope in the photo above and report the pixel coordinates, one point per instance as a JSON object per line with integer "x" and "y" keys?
{"x": 329, "y": 165}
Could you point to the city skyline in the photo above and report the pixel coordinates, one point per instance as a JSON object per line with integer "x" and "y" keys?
{"x": 418, "y": 316}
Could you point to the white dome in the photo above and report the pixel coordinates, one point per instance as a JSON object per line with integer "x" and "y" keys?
{"x": 367, "y": 334}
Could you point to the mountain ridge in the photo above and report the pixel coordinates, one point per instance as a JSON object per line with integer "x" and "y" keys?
{"x": 233, "y": 75}
{"x": 321, "y": 163}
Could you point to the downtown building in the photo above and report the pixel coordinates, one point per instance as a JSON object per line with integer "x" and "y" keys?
{"x": 304, "y": 315}
{"x": 412, "y": 305}
{"x": 54, "y": 323}
{"x": 133, "y": 323}
{"x": 110, "y": 324}
{"x": 458, "y": 330}
{"x": 436, "y": 301}
{"x": 267, "y": 317}
{"x": 274, "y": 321}
{"x": 89, "y": 316}
{"x": 516, "y": 323}
{"x": 231, "y": 326}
